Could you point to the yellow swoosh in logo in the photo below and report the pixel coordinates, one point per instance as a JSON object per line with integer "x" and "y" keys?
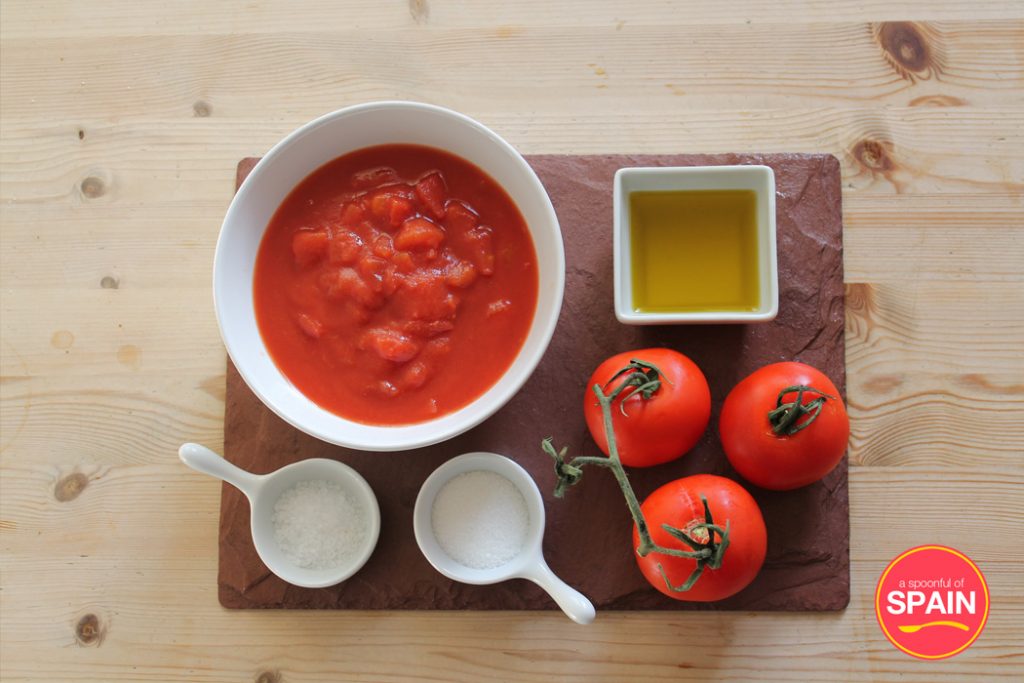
{"x": 914, "y": 628}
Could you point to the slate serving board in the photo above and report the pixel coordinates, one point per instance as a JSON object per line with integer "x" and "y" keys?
{"x": 588, "y": 533}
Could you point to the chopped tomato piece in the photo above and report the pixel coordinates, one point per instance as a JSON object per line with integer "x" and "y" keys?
{"x": 344, "y": 248}
{"x": 383, "y": 247}
{"x": 387, "y": 204}
{"x": 432, "y": 193}
{"x": 400, "y": 209}
{"x": 346, "y": 284}
{"x": 353, "y": 214}
{"x": 460, "y": 217}
{"x": 481, "y": 244}
{"x": 403, "y": 261}
{"x": 372, "y": 269}
{"x": 428, "y": 329}
{"x": 414, "y": 375}
{"x": 390, "y": 280}
{"x": 310, "y": 326}
{"x": 380, "y": 206}
{"x": 383, "y": 388}
{"x": 390, "y": 344}
{"x": 419, "y": 233}
{"x": 309, "y": 247}
{"x": 460, "y": 274}
{"x": 424, "y": 296}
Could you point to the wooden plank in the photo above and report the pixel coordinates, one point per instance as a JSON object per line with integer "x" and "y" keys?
{"x": 102, "y": 332}
{"x": 886, "y": 152}
{"x": 65, "y": 421}
{"x": 127, "y": 18}
{"x": 744, "y": 67}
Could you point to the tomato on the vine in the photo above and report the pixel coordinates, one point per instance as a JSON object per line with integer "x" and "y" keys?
{"x": 651, "y": 431}
{"x": 784, "y": 426}
{"x": 734, "y": 560}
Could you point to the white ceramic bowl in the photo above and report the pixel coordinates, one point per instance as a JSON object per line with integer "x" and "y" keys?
{"x": 760, "y": 179}
{"x": 263, "y": 491}
{"x": 301, "y": 153}
{"x": 528, "y": 564}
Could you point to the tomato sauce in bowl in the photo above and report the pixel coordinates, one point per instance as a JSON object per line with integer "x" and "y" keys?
{"x": 395, "y": 284}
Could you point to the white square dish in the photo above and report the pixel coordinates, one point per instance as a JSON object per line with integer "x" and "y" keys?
{"x": 759, "y": 179}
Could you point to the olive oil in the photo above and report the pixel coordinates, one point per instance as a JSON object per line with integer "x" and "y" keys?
{"x": 694, "y": 251}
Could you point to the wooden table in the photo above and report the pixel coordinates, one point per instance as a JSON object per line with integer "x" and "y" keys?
{"x": 121, "y": 125}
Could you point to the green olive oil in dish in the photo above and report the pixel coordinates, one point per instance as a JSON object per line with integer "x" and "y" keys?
{"x": 694, "y": 250}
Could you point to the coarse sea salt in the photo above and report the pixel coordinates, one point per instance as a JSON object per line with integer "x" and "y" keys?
{"x": 480, "y": 519}
{"x": 318, "y": 525}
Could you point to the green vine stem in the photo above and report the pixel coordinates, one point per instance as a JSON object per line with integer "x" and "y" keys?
{"x": 643, "y": 379}
{"x": 785, "y": 418}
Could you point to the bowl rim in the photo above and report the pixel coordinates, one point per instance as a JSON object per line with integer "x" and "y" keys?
{"x": 547, "y": 325}
{"x": 622, "y": 268}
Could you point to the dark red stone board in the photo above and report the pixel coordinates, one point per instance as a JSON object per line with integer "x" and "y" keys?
{"x": 588, "y": 539}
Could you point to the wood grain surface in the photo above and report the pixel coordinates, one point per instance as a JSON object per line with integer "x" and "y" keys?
{"x": 121, "y": 122}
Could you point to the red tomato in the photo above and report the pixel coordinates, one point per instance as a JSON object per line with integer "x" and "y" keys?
{"x": 678, "y": 505}
{"x": 656, "y": 430}
{"x": 771, "y": 454}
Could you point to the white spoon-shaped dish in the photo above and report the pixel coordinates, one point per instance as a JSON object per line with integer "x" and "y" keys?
{"x": 263, "y": 490}
{"x": 528, "y": 564}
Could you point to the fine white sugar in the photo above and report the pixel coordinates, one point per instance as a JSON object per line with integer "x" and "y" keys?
{"x": 318, "y": 525}
{"x": 480, "y": 519}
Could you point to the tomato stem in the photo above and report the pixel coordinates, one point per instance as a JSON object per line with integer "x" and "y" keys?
{"x": 785, "y": 418}
{"x": 643, "y": 379}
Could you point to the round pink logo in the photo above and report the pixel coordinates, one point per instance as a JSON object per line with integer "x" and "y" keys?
{"x": 932, "y": 602}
